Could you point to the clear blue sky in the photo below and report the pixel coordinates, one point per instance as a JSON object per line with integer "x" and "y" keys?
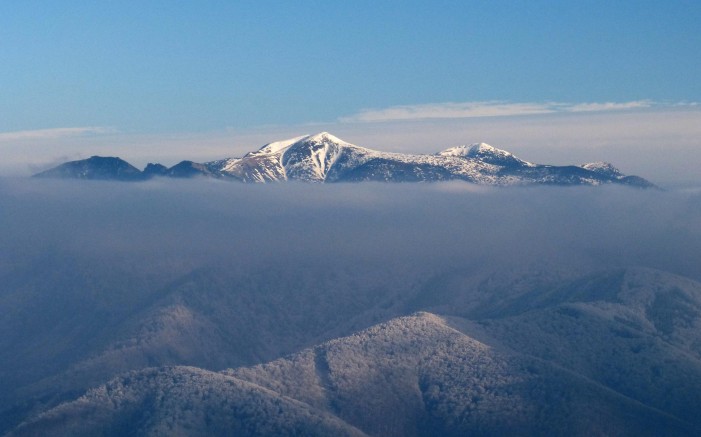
{"x": 161, "y": 66}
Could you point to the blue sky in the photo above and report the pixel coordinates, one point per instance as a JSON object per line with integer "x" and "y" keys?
{"x": 191, "y": 67}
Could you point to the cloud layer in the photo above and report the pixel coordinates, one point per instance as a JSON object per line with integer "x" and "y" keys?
{"x": 428, "y": 227}
{"x": 486, "y": 109}
{"x": 52, "y": 134}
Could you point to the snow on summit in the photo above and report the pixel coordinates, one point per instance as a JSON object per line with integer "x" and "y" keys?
{"x": 279, "y": 146}
{"x": 603, "y": 167}
{"x": 484, "y": 152}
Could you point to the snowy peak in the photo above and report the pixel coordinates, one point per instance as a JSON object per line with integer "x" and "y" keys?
{"x": 308, "y": 158}
{"x": 485, "y": 153}
{"x": 477, "y": 149}
{"x": 302, "y": 141}
{"x": 469, "y": 151}
{"x": 604, "y": 168}
{"x": 312, "y": 157}
{"x": 325, "y": 137}
{"x": 278, "y": 146}
{"x": 262, "y": 165}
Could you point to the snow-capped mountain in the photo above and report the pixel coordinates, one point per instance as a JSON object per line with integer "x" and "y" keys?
{"x": 485, "y": 153}
{"x": 326, "y": 158}
{"x": 603, "y": 168}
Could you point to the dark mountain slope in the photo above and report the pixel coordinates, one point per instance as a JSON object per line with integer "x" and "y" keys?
{"x": 96, "y": 167}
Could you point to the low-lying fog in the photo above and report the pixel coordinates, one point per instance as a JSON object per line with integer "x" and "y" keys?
{"x": 159, "y": 223}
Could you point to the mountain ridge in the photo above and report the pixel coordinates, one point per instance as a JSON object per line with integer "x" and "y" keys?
{"x": 324, "y": 158}
{"x": 487, "y": 353}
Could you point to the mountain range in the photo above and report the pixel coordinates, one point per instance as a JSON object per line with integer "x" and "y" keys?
{"x": 326, "y": 158}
